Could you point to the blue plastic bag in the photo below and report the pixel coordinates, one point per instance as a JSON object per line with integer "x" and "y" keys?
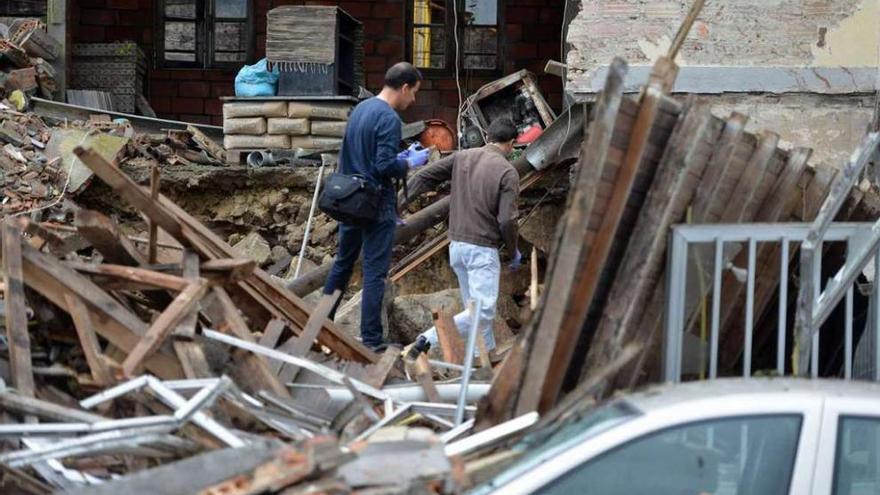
{"x": 256, "y": 80}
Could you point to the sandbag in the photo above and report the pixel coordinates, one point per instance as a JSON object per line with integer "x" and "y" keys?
{"x": 266, "y": 141}
{"x": 245, "y": 125}
{"x": 337, "y": 111}
{"x": 293, "y": 127}
{"x": 315, "y": 143}
{"x": 254, "y": 109}
{"x": 328, "y": 128}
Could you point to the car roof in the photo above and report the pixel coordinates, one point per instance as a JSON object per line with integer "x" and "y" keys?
{"x": 662, "y": 396}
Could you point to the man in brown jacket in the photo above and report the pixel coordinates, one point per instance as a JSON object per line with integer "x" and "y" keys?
{"x": 482, "y": 219}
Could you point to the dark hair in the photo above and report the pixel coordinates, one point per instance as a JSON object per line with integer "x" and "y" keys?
{"x": 402, "y": 73}
{"x": 501, "y": 130}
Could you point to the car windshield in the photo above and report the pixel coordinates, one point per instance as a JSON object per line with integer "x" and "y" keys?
{"x": 546, "y": 443}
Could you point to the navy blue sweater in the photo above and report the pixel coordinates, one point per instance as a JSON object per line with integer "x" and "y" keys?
{"x": 370, "y": 145}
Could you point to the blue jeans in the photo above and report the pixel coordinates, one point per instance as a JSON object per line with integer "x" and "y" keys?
{"x": 478, "y": 270}
{"x": 376, "y": 242}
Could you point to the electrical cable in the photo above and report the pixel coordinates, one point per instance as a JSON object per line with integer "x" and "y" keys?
{"x": 457, "y": 76}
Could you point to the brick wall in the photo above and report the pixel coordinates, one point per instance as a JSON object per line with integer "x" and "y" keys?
{"x": 531, "y": 36}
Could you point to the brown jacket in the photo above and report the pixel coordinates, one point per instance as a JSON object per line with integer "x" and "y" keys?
{"x": 484, "y": 194}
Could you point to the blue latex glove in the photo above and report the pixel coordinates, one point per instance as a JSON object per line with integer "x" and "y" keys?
{"x": 516, "y": 262}
{"x": 418, "y": 157}
{"x": 403, "y": 155}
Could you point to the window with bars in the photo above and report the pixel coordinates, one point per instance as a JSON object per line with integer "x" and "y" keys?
{"x": 432, "y": 44}
{"x": 205, "y": 33}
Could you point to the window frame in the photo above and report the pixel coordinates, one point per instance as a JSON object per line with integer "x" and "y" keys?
{"x": 449, "y": 69}
{"x": 838, "y": 447}
{"x": 205, "y": 51}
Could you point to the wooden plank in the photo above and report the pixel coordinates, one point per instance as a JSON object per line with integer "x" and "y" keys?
{"x": 186, "y": 329}
{"x": 377, "y": 373}
{"x": 226, "y": 271}
{"x": 450, "y": 341}
{"x": 272, "y": 333}
{"x": 189, "y": 352}
{"x": 252, "y": 370}
{"x": 139, "y": 278}
{"x": 299, "y": 346}
{"x": 213, "y": 149}
{"x": 425, "y": 378}
{"x": 485, "y": 363}
{"x": 546, "y": 333}
{"x": 104, "y": 235}
{"x": 133, "y": 193}
{"x": 673, "y": 189}
{"x": 163, "y": 326}
{"x": 155, "y": 178}
{"x": 598, "y": 251}
{"x": 17, "y": 335}
{"x": 88, "y": 340}
{"x": 259, "y": 290}
{"x": 495, "y": 408}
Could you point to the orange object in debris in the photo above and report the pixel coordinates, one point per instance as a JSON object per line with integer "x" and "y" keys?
{"x": 530, "y": 134}
{"x": 438, "y": 134}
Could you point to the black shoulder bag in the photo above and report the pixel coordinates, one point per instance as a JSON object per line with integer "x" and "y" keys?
{"x": 350, "y": 199}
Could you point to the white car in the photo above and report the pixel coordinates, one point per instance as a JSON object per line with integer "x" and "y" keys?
{"x": 725, "y": 437}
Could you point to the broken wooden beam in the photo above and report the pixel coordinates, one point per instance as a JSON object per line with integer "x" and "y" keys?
{"x": 17, "y": 335}
{"x": 88, "y": 340}
{"x": 104, "y": 235}
{"x": 299, "y": 346}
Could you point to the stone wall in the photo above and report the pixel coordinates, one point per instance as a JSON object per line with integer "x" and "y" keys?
{"x": 816, "y": 37}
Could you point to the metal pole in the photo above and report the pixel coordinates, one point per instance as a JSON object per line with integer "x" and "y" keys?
{"x": 305, "y": 241}
{"x": 783, "y": 308}
{"x": 875, "y": 314}
{"x": 716, "y": 308}
{"x": 468, "y": 360}
{"x": 750, "y": 310}
{"x": 676, "y": 291}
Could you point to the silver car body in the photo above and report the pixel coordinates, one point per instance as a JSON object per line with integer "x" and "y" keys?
{"x": 820, "y": 403}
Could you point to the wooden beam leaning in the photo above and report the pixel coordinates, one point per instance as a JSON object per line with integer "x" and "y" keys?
{"x": 450, "y": 341}
{"x": 163, "y": 326}
{"x": 88, "y": 340}
{"x": 600, "y": 249}
{"x": 135, "y": 278}
{"x": 191, "y": 354}
{"x": 300, "y": 345}
{"x": 17, "y": 333}
{"x": 51, "y": 278}
{"x": 673, "y": 189}
{"x": 539, "y": 356}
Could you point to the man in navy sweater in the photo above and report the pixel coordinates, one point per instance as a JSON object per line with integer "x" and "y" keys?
{"x": 369, "y": 149}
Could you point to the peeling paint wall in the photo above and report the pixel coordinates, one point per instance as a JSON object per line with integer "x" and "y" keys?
{"x": 746, "y": 33}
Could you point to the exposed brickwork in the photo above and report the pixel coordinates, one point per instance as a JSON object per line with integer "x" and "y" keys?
{"x": 531, "y": 36}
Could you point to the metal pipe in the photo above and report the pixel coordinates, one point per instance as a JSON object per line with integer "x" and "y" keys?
{"x": 750, "y": 310}
{"x": 783, "y": 308}
{"x": 323, "y": 371}
{"x": 848, "y": 335}
{"x": 305, "y": 241}
{"x": 468, "y": 360}
{"x": 114, "y": 392}
{"x": 716, "y": 309}
{"x": 448, "y": 392}
{"x": 491, "y": 435}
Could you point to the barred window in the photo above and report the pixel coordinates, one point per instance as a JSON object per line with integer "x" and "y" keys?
{"x": 205, "y": 33}
{"x": 432, "y": 40}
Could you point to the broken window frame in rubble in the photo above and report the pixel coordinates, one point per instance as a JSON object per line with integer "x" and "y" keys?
{"x": 479, "y": 39}
{"x": 205, "y": 51}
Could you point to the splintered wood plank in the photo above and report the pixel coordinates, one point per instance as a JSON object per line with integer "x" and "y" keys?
{"x": 376, "y": 374}
{"x": 599, "y": 250}
{"x": 674, "y": 187}
{"x": 88, "y": 340}
{"x": 207, "y": 144}
{"x": 163, "y": 326}
{"x": 252, "y": 371}
{"x": 495, "y": 408}
{"x": 272, "y": 333}
{"x": 226, "y": 271}
{"x": 191, "y": 354}
{"x": 299, "y": 346}
{"x": 17, "y": 334}
{"x": 129, "y": 277}
{"x": 152, "y": 249}
{"x": 104, "y": 235}
{"x": 542, "y": 367}
{"x": 451, "y": 343}
{"x": 259, "y": 292}
{"x": 425, "y": 378}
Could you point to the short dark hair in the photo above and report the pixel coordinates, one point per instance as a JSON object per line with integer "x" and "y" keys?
{"x": 402, "y": 73}
{"x": 501, "y": 130}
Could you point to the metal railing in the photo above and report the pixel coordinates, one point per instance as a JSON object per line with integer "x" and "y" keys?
{"x": 723, "y": 240}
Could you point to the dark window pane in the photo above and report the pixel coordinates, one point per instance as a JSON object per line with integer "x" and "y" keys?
{"x": 753, "y": 455}
{"x": 180, "y": 8}
{"x": 229, "y": 36}
{"x": 180, "y": 36}
{"x": 480, "y": 61}
{"x": 480, "y": 40}
{"x": 857, "y": 461}
{"x": 230, "y": 56}
{"x": 180, "y": 56}
{"x": 481, "y": 12}
{"x": 23, "y": 7}
{"x": 231, "y": 8}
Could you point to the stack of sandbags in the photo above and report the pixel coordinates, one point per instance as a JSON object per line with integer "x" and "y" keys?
{"x": 284, "y": 124}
